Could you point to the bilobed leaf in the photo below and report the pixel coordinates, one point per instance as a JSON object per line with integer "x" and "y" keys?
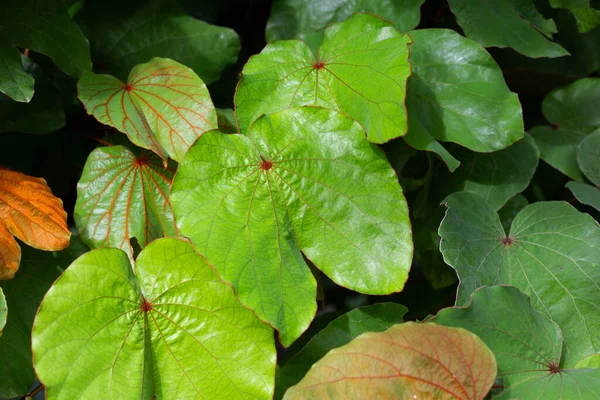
{"x": 407, "y": 361}
{"x": 587, "y": 17}
{"x": 143, "y": 29}
{"x": 163, "y": 107}
{"x": 29, "y": 211}
{"x": 361, "y": 70}
{"x": 302, "y": 180}
{"x": 588, "y": 157}
{"x": 527, "y": 345}
{"x": 585, "y": 194}
{"x": 458, "y": 95}
{"x": 306, "y": 19}
{"x": 375, "y": 318}
{"x": 172, "y": 330}
{"x": 14, "y": 81}
{"x": 552, "y": 254}
{"x": 508, "y": 23}
{"x": 120, "y": 196}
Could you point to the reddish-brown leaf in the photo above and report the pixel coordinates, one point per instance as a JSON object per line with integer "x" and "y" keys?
{"x": 29, "y": 211}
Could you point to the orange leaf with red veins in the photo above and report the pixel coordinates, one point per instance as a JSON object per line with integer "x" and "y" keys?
{"x": 29, "y": 211}
{"x": 408, "y": 361}
{"x": 163, "y": 107}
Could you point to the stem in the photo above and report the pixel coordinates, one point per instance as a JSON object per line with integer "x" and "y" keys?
{"x": 35, "y": 391}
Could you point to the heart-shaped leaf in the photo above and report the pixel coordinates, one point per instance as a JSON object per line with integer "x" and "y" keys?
{"x": 163, "y": 107}
{"x": 526, "y": 343}
{"x": 374, "y": 318}
{"x": 29, "y": 211}
{"x": 173, "y": 330}
{"x": 302, "y": 180}
{"x": 120, "y": 196}
{"x": 508, "y": 23}
{"x": 511, "y": 209}
{"x": 587, "y": 17}
{"x": 458, "y": 95}
{"x": 407, "y": 361}
{"x": 552, "y": 253}
{"x": 361, "y": 71}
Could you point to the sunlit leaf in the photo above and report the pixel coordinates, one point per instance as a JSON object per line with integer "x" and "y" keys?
{"x": 587, "y": 17}
{"x": 552, "y": 253}
{"x": 172, "y": 330}
{"x": 407, "y": 361}
{"x": 29, "y": 211}
{"x": 163, "y": 107}
{"x": 302, "y": 181}
{"x": 120, "y": 196}
{"x": 508, "y": 23}
{"x": 361, "y": 70}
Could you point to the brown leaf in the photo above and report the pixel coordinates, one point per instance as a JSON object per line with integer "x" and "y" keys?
{"x": 29, "y": 211}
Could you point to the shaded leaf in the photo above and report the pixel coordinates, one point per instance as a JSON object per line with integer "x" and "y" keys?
{"x": 408, "y": 360}
{"x": 163, "y": 107}
{"x": 558, "y": 147}
{"x": 458, "y": 95}
{"x": 361, "y": 70}
{"x": 142, "y": 30}
{"x": 301, "y": 180}
{"x": 15, "y": 83}
{"x": 511, "y": 209}
{"x": 588, "y": 157}
{"x": 585, "y": 194}
{"x": 29, "y": 211}
{"x": 122, "y": 196}
{"x": 574, "y": 106}
{"x": 587, "y": 17}
{"x": 173, "y": 330}
{"x": 374, "y": 318}
{"x": 552, "y": 254}
{"x": 226, "y": 120}
{"x": 509, "y": 23}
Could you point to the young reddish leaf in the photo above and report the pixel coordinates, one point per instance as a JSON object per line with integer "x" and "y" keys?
{"x": 408, "y": 361}
{"x": 29, "y": 211}
{"x": 120, "y": 196}
{"x": 163, "y": 107}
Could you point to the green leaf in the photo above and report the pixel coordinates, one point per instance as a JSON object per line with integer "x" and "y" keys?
{"x": 120, "y": 196}
{"x": 361, "y": 71}
{"x": 14, "y": 81}
{"x": 24, "y": 293}
{"x": 412, "y": 360}
{"x": 375, "y": 318}
{"x": 3, "y": 311}
{"x": 306, "y": 19}
{"x": 302, "y": 180}
{"x": 526, "y": 343}
{"x": 495, "y": 176}
{"x": 226, "y": 120}
{"x": 552, "y": 253}
{"x": 590, "y": 362}
{"x": 508, "y": 23}
{"x": 587, "y": 17}
{"x": 458, "y": 95}
{"x": 164, "y": 106}
{"x": 585, "y": 194}
{"x": 44, "y": 26}
{"x": 172, "y": 330}
{"x": 574, "y": 106}
{"x": 588, "y": 157}
{"x": 143, "y": 29}
{"x": 558, "y": 148}
{"x": 511, "y": 209}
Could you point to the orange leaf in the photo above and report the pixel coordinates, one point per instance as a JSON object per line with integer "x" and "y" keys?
{"x": 408, "y": 361}
{"x": 29, "y": 211}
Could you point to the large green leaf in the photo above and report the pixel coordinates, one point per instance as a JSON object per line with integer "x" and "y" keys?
{"x": 508, "y": 23}
{"x": 361, "y": 70}
{"x": 375, "y": 318}
{"x": 120, "y": 196}
{"x": 306, "y": 19}
{"x": 588, "y": 157}
{"x": 552, "y": 253}
{"x": 171, "y": 330}
{"x": 14, "y": 81}
{"x": 585, "y": 194}
{"x": 526, "y": 343}
{"x": 24, "y": 293}
{"x": 587, "y": 17}
{"x": 302, "y": 180}
{"x": 141, "y": 30}
{"x": 458, "y": 95}
{"x": 164, "y": 106}
{"x": 407, "y": 361}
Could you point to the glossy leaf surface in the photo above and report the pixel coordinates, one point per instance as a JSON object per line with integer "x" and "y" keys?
{"x": 552, "y": 254}
{"x": 302, "y": 181}
{"x": 163, "y": 107}
{"x": 173, "y": 330}
{"x": 458, "y": 95}
{"x": 29, "y": 211}
{"x": 361, "y": 70}
{"x": 407, "y": 360}
{"x": 508, "y": 23}
{"x": 120, "y": 196}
